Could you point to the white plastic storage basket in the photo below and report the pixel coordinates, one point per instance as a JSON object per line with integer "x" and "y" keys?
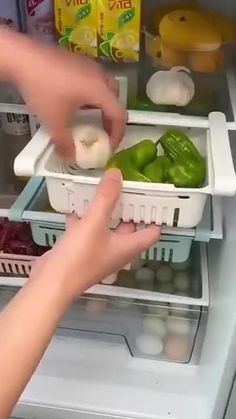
{"x": 71, "y": 189}
{"x": 33, "y": 206}
{"x": 15, "y": 265}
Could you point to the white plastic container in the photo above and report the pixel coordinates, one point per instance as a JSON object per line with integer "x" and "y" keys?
{"x": 71, "y": 189}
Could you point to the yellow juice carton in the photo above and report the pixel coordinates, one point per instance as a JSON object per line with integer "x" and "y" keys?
{"x": 119, "y": 29}
{"x": 75, "y": 22}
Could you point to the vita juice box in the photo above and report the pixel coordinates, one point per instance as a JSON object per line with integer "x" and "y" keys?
{"x": 76, "y": 22}
{"x": 119, "y": 29}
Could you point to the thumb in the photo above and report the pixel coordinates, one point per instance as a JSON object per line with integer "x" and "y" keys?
{"x": 107, "y": 195}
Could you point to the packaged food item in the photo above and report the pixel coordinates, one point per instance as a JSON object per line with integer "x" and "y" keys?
{"x": 119, "y": 29}
{"x": 39, "y": 19}
{"x": 9, "y": 14}
{"x": 75, "y": 24}
{"x": 16, "y": 134}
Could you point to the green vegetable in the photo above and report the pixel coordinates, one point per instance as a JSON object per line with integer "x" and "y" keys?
{"x": 188, "y": 168}
{"x": 122, "y": 161}
{"x": 142, "y": 153}
{"x": 132, "y": 160}
{"x": 156, "y": 170}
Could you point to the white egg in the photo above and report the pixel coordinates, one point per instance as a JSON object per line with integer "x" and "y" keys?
{"x": 178, "y": 326}
{"x": 92, "y": 146}
{"x": 95, "y": 306}
{"x": 154, "y": 326}
{"x": 126, "y": 279}
{"x": 177, "y": 348}
{"x": 159, "y": 311}
{"x": 149, "y": 344}
{"x": 164, "y": 274}
{"x": 180, "y": 266}
{"x": 144, "y": 274}
{"x": 166, "y": 288}
{"x": 182, "y": 281}
{"x": 109, "y": 280}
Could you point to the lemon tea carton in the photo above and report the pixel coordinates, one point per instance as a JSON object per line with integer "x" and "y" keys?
{"x": 75, "y": 22}
{"x": 119, "y": 29}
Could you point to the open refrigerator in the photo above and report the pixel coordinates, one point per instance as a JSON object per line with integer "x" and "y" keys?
{"x": 105, "y": 359}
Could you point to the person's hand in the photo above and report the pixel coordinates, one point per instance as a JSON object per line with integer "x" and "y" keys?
{"x": 88, "y": 252}
{"x": 55, "y": 82}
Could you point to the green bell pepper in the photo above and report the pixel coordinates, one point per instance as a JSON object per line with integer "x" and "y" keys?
{"x": 156, "y": 170}
{"x": 188, "y": 168}
{"x": 132, "y": 160}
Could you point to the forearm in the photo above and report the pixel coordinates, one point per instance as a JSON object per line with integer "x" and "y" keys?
{"x": 26, "y": 327}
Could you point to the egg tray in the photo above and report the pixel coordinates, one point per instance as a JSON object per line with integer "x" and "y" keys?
{"x": 164, "y": 332}
{"x": 33, "y": 206}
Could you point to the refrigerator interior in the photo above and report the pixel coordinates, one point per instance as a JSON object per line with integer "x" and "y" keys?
{"x": 88, "y": 375}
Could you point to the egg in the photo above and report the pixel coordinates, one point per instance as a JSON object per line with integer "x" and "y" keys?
{"x": 126, "y": 279}
{"x": 182, "y": 281}
{"x": 148, "y": 344}
{"x": 92, "y": 146}
{"x": 182, "y": 266}
{"x": 164, "y": 274}
{"x": 177, "y": 348}
{"x": 154, "y": 325}
{"x": 178, "y": 326}
{"x": 145, "y": 278}
{"x": 166, "y": 288}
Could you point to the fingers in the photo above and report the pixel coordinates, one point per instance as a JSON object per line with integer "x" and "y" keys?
{"x": 60, "y": 127}
{"x": 125, "y": 228}
{"x": 64, "y": 145}
{"x": 113, "y": 84}
{"x": 136, "y": 243}
{"x": 115, "y": 116}
{"x": 71, "y": 221}
{"x": 107, "y": 195}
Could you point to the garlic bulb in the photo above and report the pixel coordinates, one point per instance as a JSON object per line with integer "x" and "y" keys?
{"x": 171, "y": 87}
{"x": 92, "y": 146}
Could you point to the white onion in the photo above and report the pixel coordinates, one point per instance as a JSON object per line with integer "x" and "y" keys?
{"x": 171, "y": 87}
{"x": 92, "y": 146}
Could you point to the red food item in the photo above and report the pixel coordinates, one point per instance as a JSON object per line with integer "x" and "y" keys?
{"x": 16, "y": 238}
